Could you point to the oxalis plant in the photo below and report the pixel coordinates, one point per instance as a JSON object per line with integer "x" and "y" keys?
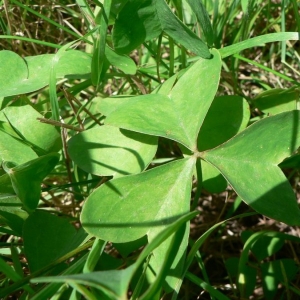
{"x": 139, "y": 206}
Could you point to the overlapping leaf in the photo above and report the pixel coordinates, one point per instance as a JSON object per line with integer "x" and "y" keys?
{"x": 115, "y": 282}
{"x": 122, "y": 62}
{"x": 249, "y": 162}
{"x": 42, "y": 137}
{"x": 109, "y": 151}
{"x": 278, "y": 100}
{"x": 14, "y": 150}
{"x": 48, "y": 237}
{"x": 141, "y": 21}
{"x": 218, "y": 128}
{"x": 179, "y": 115}
{"x": 11, "y": 213}
{"x": 203, "y": 19}
{"x": 26, "y": 178}
{"x": 20, "y": 76}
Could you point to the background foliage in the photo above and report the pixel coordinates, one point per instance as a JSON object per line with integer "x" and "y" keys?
{"x": 149, "y": 149}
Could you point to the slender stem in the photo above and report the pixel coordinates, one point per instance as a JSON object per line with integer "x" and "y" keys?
{"x": 59, "y": 124}
{"x": 69, "y": 98}
{"x": 266, "y": 69}
{"x": 171, "y": 53}
{"x": 158, "y": 56}
{"x": 199, "y": 185}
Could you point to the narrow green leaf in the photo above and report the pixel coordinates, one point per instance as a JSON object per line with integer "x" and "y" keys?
{"x": 12, "y": 274}
{"x": 52, "y": 288}
{"x": 207, "y": 287}
{"x": 26, "y": 178}
{"x": 47, "y": 238}
{"x": 52, "y": 80}
{"x": 109, "y": 151}
{"x": 130, "y": 208}
{"x": 170, "y": 116}
{"x": 170, "y": 257}
{"x": 251, "y": 159}
{"x": 178, "y": 31}
{"x": 114, "y": 282}
{"x": 99, "y": 44}
{"x": 259, "y": 41}
{"x": 203, "y": 19}
{"x": 94, "y": 255}
{"x": 161, "y": 253}
{"x": 195, "y": 247}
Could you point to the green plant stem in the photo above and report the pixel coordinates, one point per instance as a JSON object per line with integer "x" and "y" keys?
{"x": 266, "y": 69}
{"x": 199, "y": 184}
{"x": 171, "y": 53}
{"x": 158, "y": 56}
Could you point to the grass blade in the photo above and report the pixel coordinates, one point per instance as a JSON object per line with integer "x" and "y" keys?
{"x": 259, "y": 41}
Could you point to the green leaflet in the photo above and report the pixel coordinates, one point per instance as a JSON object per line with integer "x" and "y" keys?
{"x": 249, "y": 162}
{"x": 15, "y": 150}
{"x": 122, "y": 62}
{"x": 42, "y": 137}
{"x": 170, "y": 116}
{"x": 130, "y": 207}
{"x": 217, "y": 128}
{"x": 109, "y": 151}
{"x": 20, "y": 76}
